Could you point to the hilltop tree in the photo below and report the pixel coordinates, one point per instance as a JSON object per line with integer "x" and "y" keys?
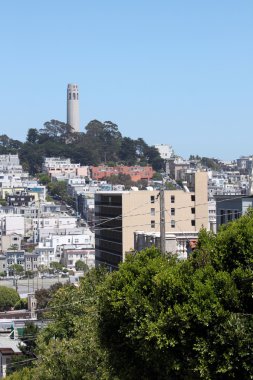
{"x": 127, "y": 152}
{"x": 57, "y": 130}
{"x": 101, "y": 142}
{"x": 104, "y": 139}
{"x": 32, "y": 136}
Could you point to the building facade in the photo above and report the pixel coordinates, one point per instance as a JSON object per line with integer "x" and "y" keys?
{"x": 178, "y": 243}
{"x": 136, "y": 172}
{"x": 165, "y": 150}
{"x": 119, "y": 214}
{"x": 231, "y": 208}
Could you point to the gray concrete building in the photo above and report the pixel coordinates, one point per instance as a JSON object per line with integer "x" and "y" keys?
{"x": 231, "y": 208}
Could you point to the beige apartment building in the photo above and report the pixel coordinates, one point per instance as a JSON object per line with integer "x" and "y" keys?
{"x": 120, "y": 214}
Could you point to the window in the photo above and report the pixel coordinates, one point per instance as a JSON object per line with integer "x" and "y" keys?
{"x": 173, "y": 224}
{"x": 193, "y": 223}
{"x": 236, "y": 214}
{"x": 152, "y": 199}
{"x": 229, "y": 215}
{"x": 74, "y": 96}
{"x": 69, "y": 95}
{"x": 152, "y": 224}
{"x": 172, "y": 198}
{"x": 193, "y": 210}
{"x": 193, "y": 198}
{"x": 222, "y": 216}
{"x": 152, "y": 211}
{"x": 172, "y": 211}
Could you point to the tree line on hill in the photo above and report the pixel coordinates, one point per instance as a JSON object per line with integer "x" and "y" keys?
{"x": 156, "y": 317}
{"x": 211, "y": 163}
{"x": 101, "y": 142}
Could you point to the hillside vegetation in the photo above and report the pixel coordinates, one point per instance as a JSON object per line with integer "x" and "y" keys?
{"x": 99, "y": 143}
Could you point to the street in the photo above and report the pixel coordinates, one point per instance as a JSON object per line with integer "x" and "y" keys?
{"x": 25, "y": 286}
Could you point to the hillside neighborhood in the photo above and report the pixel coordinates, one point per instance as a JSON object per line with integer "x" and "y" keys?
{"x": 46, "y": 235}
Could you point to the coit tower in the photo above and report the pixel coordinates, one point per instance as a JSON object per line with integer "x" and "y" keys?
{"x": 73, "y": 107}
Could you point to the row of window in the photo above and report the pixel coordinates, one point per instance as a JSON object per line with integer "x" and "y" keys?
{"x": 172, "y": 223}
{"x": 228, "y": 215}
{"x": 172, "y": 211}
{"x": 28, "y": 266}
{"x": 10, "y": 262}
{"x": 172, "y": 198}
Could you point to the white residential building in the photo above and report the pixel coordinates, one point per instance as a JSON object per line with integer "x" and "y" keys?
{"x": 165, "y": 150}
{"x": 51, "y": 248}
{"x": 176, "y": 243}
{"x": 45, "y": 256}
{"x": 70, "y": 256}
{"x": 50, "y": 224}
{"x": 58, "y": 165}
{"x": 10, "y": 224}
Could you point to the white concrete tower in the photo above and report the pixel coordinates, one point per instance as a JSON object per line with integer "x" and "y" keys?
{"x": 73, "y": 118}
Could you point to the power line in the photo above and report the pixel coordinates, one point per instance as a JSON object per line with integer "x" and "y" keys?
{"x": 120, "y": 216}
{"x": 118, "y": 228}
{"x": 21, "y": 362}
{"x": 157, "y": 211}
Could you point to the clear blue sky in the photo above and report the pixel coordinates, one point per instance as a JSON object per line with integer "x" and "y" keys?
{"x": 169, "y": 71}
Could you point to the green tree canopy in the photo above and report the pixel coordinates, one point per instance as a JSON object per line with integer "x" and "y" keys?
{"x": 8, "y": 298}
{"x": 32, "y": 136}
{"x": 56, "y": 265}
{"x": 122, "y": 179}
{"x": 81, "y": 265}
{"x": 100, "y": 142}
{"x": 163, "y": 319}
{"x": 17, "y": 269}
{"x": 44, "y": 178}
{"x": 44, "y": 296}
{"x": 69, "y": 347}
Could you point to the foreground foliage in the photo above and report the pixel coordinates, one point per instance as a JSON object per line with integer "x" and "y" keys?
{"x": 157, "y": 318}
{"x": 171, "y": 321}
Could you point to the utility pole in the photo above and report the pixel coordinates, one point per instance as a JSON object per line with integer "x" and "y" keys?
{"x": 162, "y": 221}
